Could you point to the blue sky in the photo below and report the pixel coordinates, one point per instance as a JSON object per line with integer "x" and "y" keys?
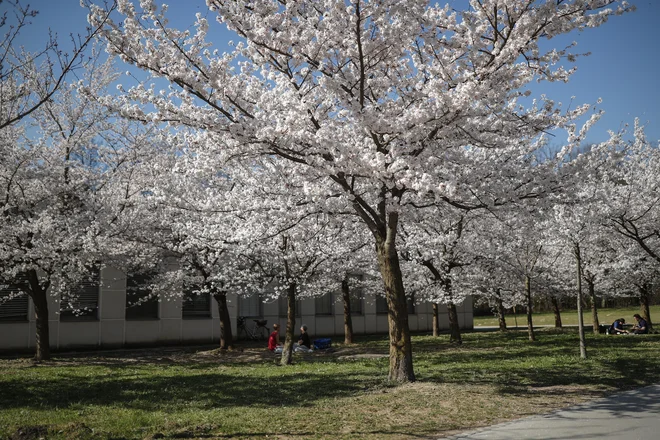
{"x": 622, "y": 69}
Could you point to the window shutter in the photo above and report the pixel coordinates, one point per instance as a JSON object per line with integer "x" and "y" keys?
{"x": 250, "y": 306}
{"x": 283, "y": 307}
{"x": 140, "y": 303}
{"x": 410, "y": 303}
{"x": 323, "y": 304}
{"x": 381, "y": 305}
{"x": 84, "y": 301}
{"x": 356, "y": 304}
{"x": 15, "y": 309}
{"x": 196, "y": 305}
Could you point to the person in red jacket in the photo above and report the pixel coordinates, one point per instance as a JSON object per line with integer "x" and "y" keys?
{"x": 274, "y": 340}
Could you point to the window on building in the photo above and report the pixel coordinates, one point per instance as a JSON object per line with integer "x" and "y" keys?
{"x": 356, "y": 295}
{"x": 82, "y": 304}
{"x": 141, "y": 303}
{"x": 356, "y": 303}
{"x": 250, "y": 306}
{"x": 13, "y": 303}
{"x": 283, "y": 307}
{"x": 323, "y": 304}
{"x": 410, "y": 303}
{"x": 196, "y": 304}
{"x": 381, "y": 305}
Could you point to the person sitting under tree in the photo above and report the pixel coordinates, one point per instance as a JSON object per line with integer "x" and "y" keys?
{"x": 304, "y": 344}
{"x": 274, "y": 340}
{"x": 640, "y": 327}
{"x": 617, "y": 327}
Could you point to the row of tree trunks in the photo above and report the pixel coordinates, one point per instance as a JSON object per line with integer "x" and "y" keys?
{"x": 556, "y": 309}
{"x": 454, "y": 328}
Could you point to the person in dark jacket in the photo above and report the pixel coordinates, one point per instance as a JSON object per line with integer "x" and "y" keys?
{"x": 617, "y": 327}
{"x": 641, "y": 327}
{"x": 304, "y": 344}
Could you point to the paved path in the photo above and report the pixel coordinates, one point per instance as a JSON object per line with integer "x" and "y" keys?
{"x": 611, "y": 418}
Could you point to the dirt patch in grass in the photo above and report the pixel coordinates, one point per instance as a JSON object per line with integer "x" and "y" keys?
{"x": 30, "y": 433}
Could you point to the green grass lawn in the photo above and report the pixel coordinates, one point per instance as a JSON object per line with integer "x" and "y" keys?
{"x": 177, "y": 393}
{"x": 568, "y": 317}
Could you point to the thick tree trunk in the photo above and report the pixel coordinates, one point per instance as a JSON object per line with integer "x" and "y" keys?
{"x": 43, "y": 333}
{"x": 454, "y": 328}
{"x": 401, "y": 365}
{"x": 287, "y": 350}
{"x": 578, "y": 264}
{"x": 40, "y": 300}
{"x": 226, "y": 335}
{"x": 557, "y": 311}
{"x": 644, "y": 309}
{"x": 501, "y": 318}
{"x": 436, "y": 320}
{"x": 348, "y": 320}
{"x": 528, "y": 295}
{"x": 594, "y": 306}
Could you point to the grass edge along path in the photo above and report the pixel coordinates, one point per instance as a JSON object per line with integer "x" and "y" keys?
{"x": 188, "y": 393}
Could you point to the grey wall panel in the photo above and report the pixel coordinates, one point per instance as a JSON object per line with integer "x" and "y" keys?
{"x": 78, "y": 334}
{"x": 112, "y": 332}
{"x": 143, "y": 332}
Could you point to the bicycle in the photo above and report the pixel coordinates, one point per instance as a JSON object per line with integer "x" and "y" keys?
{"x": 258, "y": 332}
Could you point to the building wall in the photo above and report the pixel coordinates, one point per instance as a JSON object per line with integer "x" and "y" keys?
{"x": 112, "y": 329}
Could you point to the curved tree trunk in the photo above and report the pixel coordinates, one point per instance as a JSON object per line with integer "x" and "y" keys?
{"x": 436, "y": 320}
{"x": 594, "y": 306}
{"x": 454, "y": 328}
{"x": 287, "y": 350}
{"x": 226, "y": 335}
{"x": 401, "y": 365}
{"x": 644, "y": 309}
{"x": 348, "y": 320}
{"x": 501, "y": 317}
{"x": 40, "y": 301}
{"x": 557, "y": 311}
{"x": 578, "y": 264}
{"x": 528, "y": 296}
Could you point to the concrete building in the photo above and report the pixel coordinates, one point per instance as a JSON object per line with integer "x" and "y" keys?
{"x": 109, "y": 318}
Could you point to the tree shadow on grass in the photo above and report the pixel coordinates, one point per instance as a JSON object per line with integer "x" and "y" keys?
{"x": 152, "y": 393}
{"x": 549, "y": 365}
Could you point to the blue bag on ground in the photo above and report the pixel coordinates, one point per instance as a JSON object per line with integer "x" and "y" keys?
{"x": 322, "y": 343}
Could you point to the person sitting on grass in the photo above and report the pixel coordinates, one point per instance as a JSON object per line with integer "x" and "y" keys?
{"x": 640, "y": 327}
{"x": 617, "y": 327}
{"x": 274, "y": 340}
{"x": 304, "y": 345}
